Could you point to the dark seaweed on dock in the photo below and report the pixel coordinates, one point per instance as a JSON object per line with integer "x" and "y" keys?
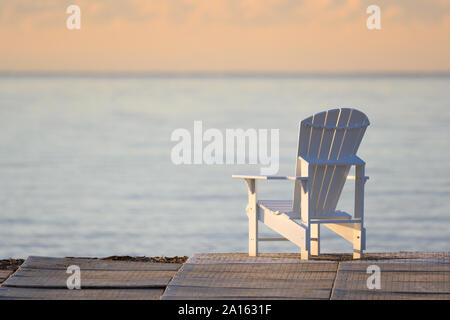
{"x": 175, "y": 259}
{"x": 10, "y": 264}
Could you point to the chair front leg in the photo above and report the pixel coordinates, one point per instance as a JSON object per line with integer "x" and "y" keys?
{"x": 252, "y": 213}
{"x": 359, "y": 234}
{"x": 305, "y": 253}
{"x": 315, "y": 239}
{"x": 304, "y": 209}
{"x": 358, "y": 242}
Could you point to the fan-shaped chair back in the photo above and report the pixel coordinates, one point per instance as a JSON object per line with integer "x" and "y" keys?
{"x": 328, "y": 136}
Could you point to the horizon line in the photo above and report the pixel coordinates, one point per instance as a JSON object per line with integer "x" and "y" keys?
{"x": 218, "y": 74}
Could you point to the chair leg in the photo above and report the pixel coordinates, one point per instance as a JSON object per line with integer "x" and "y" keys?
{"x": 358, "y": 235}
{"x": 315, "y": 239}
{"x": 252, "y": 236}
{"x": 305, "y": 253}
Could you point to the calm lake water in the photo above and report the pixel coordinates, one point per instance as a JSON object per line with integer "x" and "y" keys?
{"x": 85, "y": 167}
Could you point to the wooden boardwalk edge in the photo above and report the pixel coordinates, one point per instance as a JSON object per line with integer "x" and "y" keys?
{"x": 235, "y": 276}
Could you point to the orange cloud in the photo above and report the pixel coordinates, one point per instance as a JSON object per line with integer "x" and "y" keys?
{"x": 225, "y": 35}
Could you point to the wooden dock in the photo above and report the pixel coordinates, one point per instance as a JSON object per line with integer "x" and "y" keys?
{"x": 46, "y": 278}
{"x": 236, "y": 276}
{"x": 4, "y": 274}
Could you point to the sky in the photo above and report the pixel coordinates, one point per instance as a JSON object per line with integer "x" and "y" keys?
{"x": 225, "y": 36}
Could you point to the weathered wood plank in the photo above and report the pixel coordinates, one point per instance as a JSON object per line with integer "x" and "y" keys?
{"x": 232, "y": 276}
{"x": 262, "y": 271}
{"x": 236, "y": 258}
{"x": 400, "y": 276}
{"x": 217, "y": 258}
{"x": 179, "y": 297}
{"x": 341, "y": 294}
{"x": 406, "y": 265}
{"x": 195, "y": 292}
{"x": 278, "y": 284}
{"x": 34, "y": 262}
{"x": 4, "y": 274}
{"x": 400, "y": 279}
{"x": 10, "y": 293}
{"x": 420, "y": 287}
{"x": 44, "y": 278}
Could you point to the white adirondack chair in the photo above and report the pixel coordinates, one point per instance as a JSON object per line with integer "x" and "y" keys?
{"x": 328, "y": 142}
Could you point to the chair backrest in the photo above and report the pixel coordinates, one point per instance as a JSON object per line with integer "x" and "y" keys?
{"x": 330, "y": 135}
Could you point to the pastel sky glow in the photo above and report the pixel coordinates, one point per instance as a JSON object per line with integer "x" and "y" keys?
{"x": 225, "y": 36}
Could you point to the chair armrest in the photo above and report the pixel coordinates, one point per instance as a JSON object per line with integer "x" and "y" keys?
{"x": 261, "y": 177}
{"x": 353, "y": 160}
{"x": 353, "y": 178}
